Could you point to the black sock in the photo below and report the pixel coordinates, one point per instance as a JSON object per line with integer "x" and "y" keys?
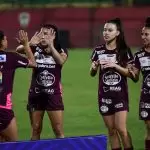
{"x": 117, "y": 148}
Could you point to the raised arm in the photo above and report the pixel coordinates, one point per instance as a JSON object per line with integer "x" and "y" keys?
{"x": 60, "y": 58}
{"x": 23, "y": 37}
{"x": 34, "y": 41}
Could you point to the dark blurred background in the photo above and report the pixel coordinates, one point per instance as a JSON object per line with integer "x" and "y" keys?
{"x": 80, "y": 21}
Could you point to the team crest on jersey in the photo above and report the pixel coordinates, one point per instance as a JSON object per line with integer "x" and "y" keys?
{"x": 110, "y": 78}
{"x": 104, "y": 109}
{"x": 147, "y": 80}
{"x": 144, "y": 114}
{"x": 45, "y": 79}
{"x": 3, "y": 58}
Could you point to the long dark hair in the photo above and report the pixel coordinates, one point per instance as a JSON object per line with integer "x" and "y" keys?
{"x": 147, "y": 22}
{"x": 1, "y": 38}
{"x": 57, "y": 43}
{"x": 122, "y": 47}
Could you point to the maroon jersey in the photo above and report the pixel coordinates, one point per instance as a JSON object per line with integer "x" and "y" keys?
{"x": 142, "y": 62}
{"x": 47, "y": 76}
{"x": 9, "y": 61}
{"x": 112, "y": 84}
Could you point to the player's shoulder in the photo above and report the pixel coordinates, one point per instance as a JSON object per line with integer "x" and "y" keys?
{"x": 100, "y": 49}
{"x": 11, "y": 53}
{"x": 140, "y": 52}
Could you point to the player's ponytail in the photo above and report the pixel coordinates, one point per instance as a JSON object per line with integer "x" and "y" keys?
{"x": 1, "y": 38}
{"x": 122, "y": 47}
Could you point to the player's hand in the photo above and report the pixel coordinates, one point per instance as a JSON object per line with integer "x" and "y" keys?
{"x": 36, "y": 38}
{"x": 51, "y": 36}
{"x": 108, "y": 64}
{"x": 94, "y": 65}
{"x": 131, "y": 70}
{"x": 23, "y": 37}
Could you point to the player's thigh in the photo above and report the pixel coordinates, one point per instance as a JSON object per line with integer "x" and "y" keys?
{"x": 56, "y": 118}
{"x": 109, "y": 121}
{"x": 121, "y": 119}
{"x": 36, "y": 108}
{"x": 147, "y": 123}
{"x": 11, "y": 132}
{"x": 36, "y": 118}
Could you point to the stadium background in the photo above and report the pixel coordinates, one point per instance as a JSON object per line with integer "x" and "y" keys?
{"x": 81, "y": 23}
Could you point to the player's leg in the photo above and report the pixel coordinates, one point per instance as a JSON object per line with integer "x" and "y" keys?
{"x": 2, "y": 138}
{"x": 36, "y": 119}
{"x": 36, "y": 113}
{"x": 106, "y": 108}
{"x": 120, "y": 124}
{"x": 8, "y": 126}
{"x": 144, "y": 114}
{"x": 55, "y": 110}
{"x": 112, "y": 132}
{"x": 147, "y": 139}
{"x": 56, "y": 118}
{"x": 10, "y": 132}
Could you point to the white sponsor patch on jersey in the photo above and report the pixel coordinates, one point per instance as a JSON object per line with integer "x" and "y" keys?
{"x": 44, "y": 59}
{"x": 3, "y": 58}
{"x": 144, "y": 61}
{"x": 21, "y": 62}
{"x": 107, "y": 57}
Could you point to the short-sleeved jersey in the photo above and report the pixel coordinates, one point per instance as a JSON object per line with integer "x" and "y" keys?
{"x": 112, "y": 84}
{"x": 142, "y": 62}
{"x": 9, "y": 61}
{"x": 47, "y": 75}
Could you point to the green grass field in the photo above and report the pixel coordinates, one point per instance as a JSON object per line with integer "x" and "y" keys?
{"x": 80, "y": 98}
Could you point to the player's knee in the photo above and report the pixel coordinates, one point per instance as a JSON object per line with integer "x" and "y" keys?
{"x": 112, "y": 131}
{"x": 148, "y": 126}
{"x": 122, "y": 131}
{"x": 58, "y": 129}
{"x": 37, "y": 127}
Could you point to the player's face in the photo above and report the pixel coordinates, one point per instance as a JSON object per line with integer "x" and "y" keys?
{"x": 110, "y": 32}
{"x": 4, "y": 42}
{"x": 45, "y": 33}
{"x": 145, "y": 35}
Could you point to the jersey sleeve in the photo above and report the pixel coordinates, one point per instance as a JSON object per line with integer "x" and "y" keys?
{"x": 136, "y": 61}
{"x": 130, "y": 57}
{"x": 19, "y": 61}
{"x": 94, "y": 56}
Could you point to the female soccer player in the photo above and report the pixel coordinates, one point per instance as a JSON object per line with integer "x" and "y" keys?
{"x": 9, "y": 62}
{"x": 142, "y": 63}
{"x": 45, "y": 92}
{"x": 112, "y": 59}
